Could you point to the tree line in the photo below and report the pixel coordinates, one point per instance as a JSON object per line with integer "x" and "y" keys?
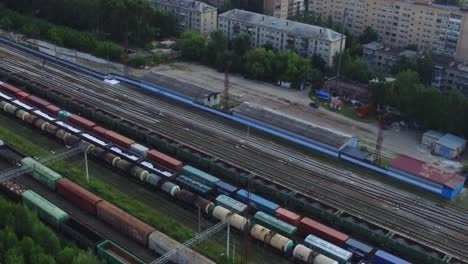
{"x": 24, "y": 239}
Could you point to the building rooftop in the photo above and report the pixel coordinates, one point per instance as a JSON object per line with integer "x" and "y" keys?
{"x": 187, "y": 4}
{"x": 312, "y": 132}
{"x": 425, "y": 171}
{"x": 377, "y": 46}
{"x": 182, "y": 88}
{"x": 290, "y": 27}
{"x": 451, "y": 141}
{"x": 433, "y": 134}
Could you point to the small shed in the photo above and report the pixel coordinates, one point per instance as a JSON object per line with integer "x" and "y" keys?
{"x": 449, "y": 146}
{"x": 430, "y": 138}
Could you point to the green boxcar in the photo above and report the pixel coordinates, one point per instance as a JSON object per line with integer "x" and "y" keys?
{"x": 45, "y": 209}
{"x": 275, "y": 224}
{"x": 41, "y": 173}
{"x": 200, "y": 176}
{"x": 64, "y": 115}
{"x": 113, "y": 254}
{"x": 416, "y": 252}
{"x": 231, "y": 204}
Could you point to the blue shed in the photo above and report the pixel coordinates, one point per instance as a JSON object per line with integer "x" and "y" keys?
{"x": 449, "y": 146}
{"x": 323, "y": 95}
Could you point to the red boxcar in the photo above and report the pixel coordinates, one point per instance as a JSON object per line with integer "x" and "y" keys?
{"x": 288, "y": 216}
{"x": 165, "y": 160}
{"x": 78, "y": 196}
{"x": 21, "y": 95}
{"x": 100, "y": 131}
{"x": 309, "y": 226}
{"x": 124, "y": 223}
{"x": 9, "y": 88}
{"x": 52, "y": 109}
{"x": 81, "y": 122}
{"x": 37, "y": 101}
{"x": 119, "y": 139}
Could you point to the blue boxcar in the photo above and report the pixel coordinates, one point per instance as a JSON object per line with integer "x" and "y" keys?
{"x": 382, "y": 257}
{"x": 359, "y": 249}
{"x": 200, "y": 176}
{"x": 225, "y": 188}
{"x": 328, "y": 249}
{"x": 257, "y": 202}
{"x": 192, "y": 185}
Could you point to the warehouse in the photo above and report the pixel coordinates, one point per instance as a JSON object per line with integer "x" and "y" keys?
{"x": 449, "y": 146}
{"x": 196, "y": 93}
{"x": 449, "y": 184}
{"x": 319, "y": 135}
{"x": 430, "y": 138}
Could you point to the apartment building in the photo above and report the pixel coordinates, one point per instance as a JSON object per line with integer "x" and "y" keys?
{"x": 190, "y": 15}
{"x": 446, "y": 72}
{"x": 282, "y": 34}
{"x": 439, "y": 28}
{"x": 276, "y": 8}
{"x": 295, "y": 7}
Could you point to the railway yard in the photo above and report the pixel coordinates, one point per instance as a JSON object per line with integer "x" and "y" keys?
{"x": 424, "y": 227}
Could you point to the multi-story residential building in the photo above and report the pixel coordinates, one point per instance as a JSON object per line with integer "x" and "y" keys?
{"x": 276, "y": 8}
{"x": 190, "y": 15}
{"x": 446, "y": 72}
{"x": 440, "y": 28}
{"x": 295, "y": 7}
{"x": 282, "y": 34}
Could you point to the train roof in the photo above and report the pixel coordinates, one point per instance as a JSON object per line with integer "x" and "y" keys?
{"x": 325, "y": 136}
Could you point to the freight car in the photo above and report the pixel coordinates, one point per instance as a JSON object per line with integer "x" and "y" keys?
{"x": 238, "y": 222}
{"x": 231, "y": 204}
{"x": 41, "y": 173}
{"x": 382, "y": 257}
{"x": 359, "y": 249}
{"x": 309, "y": 226}
{"x": 274, "y": 224}
{"x": 257, "y": 202}
{"x": 81, "y": 233}
{"x": 113, "y": 254}
{"x": 307, "y": 255}
{"x": 328, "y": 249}
{"x": 47, "y": 211}
{"x": 271, "y": 238}
{"x": 200, "y": 176}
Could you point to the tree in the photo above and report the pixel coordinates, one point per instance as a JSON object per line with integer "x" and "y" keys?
{"x": 45, "y": 238}
{"x": 23, "y": 223}
{"x": 215, "y": 48}
{"x": 86, "y": 258}
{"x": 369, "y": 35}
{"x": 13, "y": 256}
{"x": 316, "y": 79}
{"x": 241, "y": 44}
{"x": 297, "y": 69}
{"x": 192, "y": 45}
{"x": 67, "y": 255}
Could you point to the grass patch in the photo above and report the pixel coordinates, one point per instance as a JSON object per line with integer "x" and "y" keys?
{"x": 22, "y": 137}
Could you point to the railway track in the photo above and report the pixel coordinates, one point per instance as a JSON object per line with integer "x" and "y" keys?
{"x": 135, "y": 113}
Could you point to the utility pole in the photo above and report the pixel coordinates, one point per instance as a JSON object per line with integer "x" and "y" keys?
{"x": 86, "y": 165}
{"x": 226, "y": 87}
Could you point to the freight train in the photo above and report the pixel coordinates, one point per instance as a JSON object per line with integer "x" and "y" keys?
{"x": 272, "y": 236}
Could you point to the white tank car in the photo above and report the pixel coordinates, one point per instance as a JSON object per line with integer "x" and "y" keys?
{"x": 235, "y": 220}
{"x": 309, "y": 256}
{"x": 271, "y": 238}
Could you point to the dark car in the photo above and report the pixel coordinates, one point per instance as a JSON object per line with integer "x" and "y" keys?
{"x": 313, "y": 104}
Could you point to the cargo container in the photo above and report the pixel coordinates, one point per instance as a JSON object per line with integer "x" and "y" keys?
{"x": 309, "y": 226}
{"x": 125, "y": 223}
{"x": 100, "y": 131}
{"x": 230, "y": 204}
{"x": 9, "y": 88}
{"x": 165, "y": 160}
{"x": 161, "y": 244}
{"x": 170, "y": 188}
{"x": 41, "y": 173}
{"x": 36, "y": 101}
{"x": 81, "y": 122}
{"x": 288, "y": 216}
{"x": 307, "y": 255}
{"x": 257, "y": 202}
{"x": 274, "y": 224}
{"x": 382, "y": 257}
{"x": 114, "y": 254}
{"x": 119, "y": 139}
{"x": 139, "y": 149}
{"x": 52, "y": 109}
{"x": 328, "y": 249}
{"x": 21, "y": 95}
{"x": 225, "y": 188}
{"x": 200, "y": 176}
{"x": 84, "y": 236}
{"x": 193, "y": 185}
{"x": 270, "y": 238}
{"x": 47, "y": 211}
{"x": 359, "y": 249}
{"x": 78, "y": 196}
{"x": 63, "y": 115}
{"x": 12, "y": 189}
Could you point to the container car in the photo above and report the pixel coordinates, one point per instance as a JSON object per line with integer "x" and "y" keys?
{"x": 359, "y": 249}
{"x": 165, "y": 160}
{"x": 230, "y": 204}
{"x": 114, "y": 254}
{"x": 382, "y": 257}
{"x": 271, "y": 238}
{"x": 328, "y": 249}
{"x": 12, "y": 189}
{"x": 288, "y": 216}
{"x": 100, "y": 131}
{"x": 119, "y": 139}
{"x": 36, "y": 101}
{"x": 200, "y": 176}
{"x": 139, "y": 149}
{"x": 81, "y": 122}
{"x": 125, "y": 223}
{"x": 307, "y": 255}
{"x": 81, "y": 233}
{"x": 238, "y": 222}
{"x": 193, "y": 185}
{"x": 78, "y": 196}
{"x": 21, "y": 95}
{"x": 10, "y": 89}
{"x": 225, "y": 188}
{"x": 52, "y": 109}
{"x": 157, "y": 169}
{"x": 274, "y": 224}
{"x": 47, "y": 211}
{"x": 161, "y": 244}
{"x": 257, "y": 202}
{"x": 309, "y": 226}
{"x": 41, "y": 173}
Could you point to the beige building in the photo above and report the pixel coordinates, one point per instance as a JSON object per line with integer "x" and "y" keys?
{"x": 276, "y": 8}
{"x": 295, "y": 7}
{"x": 190, "y": 15}
{"x": 439, "y": 28}
{"x": 282, "y": 34}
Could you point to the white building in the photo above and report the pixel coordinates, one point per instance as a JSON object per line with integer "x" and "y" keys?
{"x": 190, "y": 15}
{"x": 282, "y": 34}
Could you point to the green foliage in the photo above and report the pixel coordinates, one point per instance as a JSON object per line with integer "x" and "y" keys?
{"x": 420, "y": 64}
{"x": 192, "y": 45}
{"x": 353, "y": 67}
{"x": 369, "y": 35}
{"x": 24, "y": 239}
{"x": 138, "y": 60}
{"x": 85, "y": 258}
